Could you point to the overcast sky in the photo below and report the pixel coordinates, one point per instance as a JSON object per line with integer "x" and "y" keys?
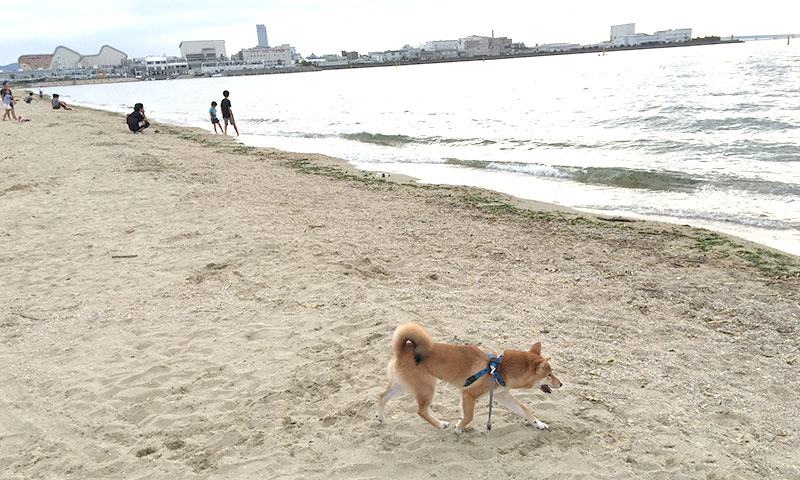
{"x": 317, "y": 26}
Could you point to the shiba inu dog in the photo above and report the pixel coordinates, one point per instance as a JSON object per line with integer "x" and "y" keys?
{"x": 418, "y": 361}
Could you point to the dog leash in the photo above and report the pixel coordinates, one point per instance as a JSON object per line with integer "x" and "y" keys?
{"x": 491, "y": 369}
{"x": 492, "y": 372}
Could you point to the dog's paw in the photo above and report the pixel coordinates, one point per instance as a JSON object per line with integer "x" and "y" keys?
{"x": 443, "y": 425}
{"x": 456, "y": 430}
{"x": 541, "y": 425}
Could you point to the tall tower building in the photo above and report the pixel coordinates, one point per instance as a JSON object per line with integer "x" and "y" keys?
{"x": 262, "y": 36}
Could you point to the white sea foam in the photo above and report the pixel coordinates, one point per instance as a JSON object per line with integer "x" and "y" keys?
{"x": 530, "y": 169}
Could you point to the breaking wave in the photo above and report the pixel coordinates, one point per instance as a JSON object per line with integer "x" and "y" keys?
{"x": 637, "y": 179}
{"x": 403, "y": 140}
{"x": 616, "y": 177}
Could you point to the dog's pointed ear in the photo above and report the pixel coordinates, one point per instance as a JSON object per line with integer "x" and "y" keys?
{"x": 537, "y": 348}
{"x": 543, "y": 364}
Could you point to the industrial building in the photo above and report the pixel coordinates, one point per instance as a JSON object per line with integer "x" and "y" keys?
{"x": 162, "y": 66}
{"x": 64, "y": 58}
{"x": 269, "y": 56}
{"x": 441, "y": 45}
{"x": 475, "y": 46}
{"x": 35, "y": 62}
{"x": 625, "y": 35}
{"x": 107, "y": 56}
{"x": 196, "y": 52}
{"x": 619, "y": 32}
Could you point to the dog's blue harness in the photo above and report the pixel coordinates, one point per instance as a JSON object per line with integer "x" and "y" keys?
{"x": 491, "y": 369}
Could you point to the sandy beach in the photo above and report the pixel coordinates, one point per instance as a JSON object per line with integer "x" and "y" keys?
{"x": 175, "y": 305}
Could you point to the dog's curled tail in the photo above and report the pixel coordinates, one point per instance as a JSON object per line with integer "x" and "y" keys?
{"x": 414, "y": 333}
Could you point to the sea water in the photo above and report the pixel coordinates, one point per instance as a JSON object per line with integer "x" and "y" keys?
{"x": 707, "y": 136}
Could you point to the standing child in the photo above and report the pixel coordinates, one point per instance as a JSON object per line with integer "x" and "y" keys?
{"x": 9, "y": 107}
{"x": 212, "y": 113}
{"x": 8, "y": 101}
{"x": 227, "y": 113}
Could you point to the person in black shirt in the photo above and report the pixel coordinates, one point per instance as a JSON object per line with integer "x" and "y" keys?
{"x": 137, "y": 121}
{"x": 227, "y": 113}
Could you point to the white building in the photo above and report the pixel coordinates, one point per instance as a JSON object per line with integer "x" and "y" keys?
{"x": 674, "y": 36}
{"x": 462, "y": 42}
{"x": 441, "y": 45}
{"x": 157, "y": 66}
{"x": 379, "y": 57}
{"x": 269, "y": 56}
{"x": 198, "y": 51}
{"x": 632, "y": 40}
{"x": 406, "y": 54}
{"x": 625, "y": 35}
{"x": 329, "y": 61}
{"x": 65, "y": 58}
{"x": 622, "y": 30}
{"x": 107, "y": 56}
{"x": 203, "y": 47}
{"x": 558, "y": 47}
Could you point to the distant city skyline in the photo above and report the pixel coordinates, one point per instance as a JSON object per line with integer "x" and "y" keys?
{"x": 319, "y": 27}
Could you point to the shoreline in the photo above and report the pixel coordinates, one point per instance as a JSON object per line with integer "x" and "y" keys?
{"x": 178, "y": 305}
{"x": 734, "y": 231}
{"x": 742, "y": 232}
{"x": 647, "y": 221}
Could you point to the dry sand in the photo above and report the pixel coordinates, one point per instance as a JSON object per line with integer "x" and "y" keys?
{"x": 175, "y": 305}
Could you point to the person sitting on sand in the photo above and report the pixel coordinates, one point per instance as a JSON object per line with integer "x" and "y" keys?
{"x": 29, "y": 98}
{"x": 58, "y": 103}
{"x": 137, "y": 121}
